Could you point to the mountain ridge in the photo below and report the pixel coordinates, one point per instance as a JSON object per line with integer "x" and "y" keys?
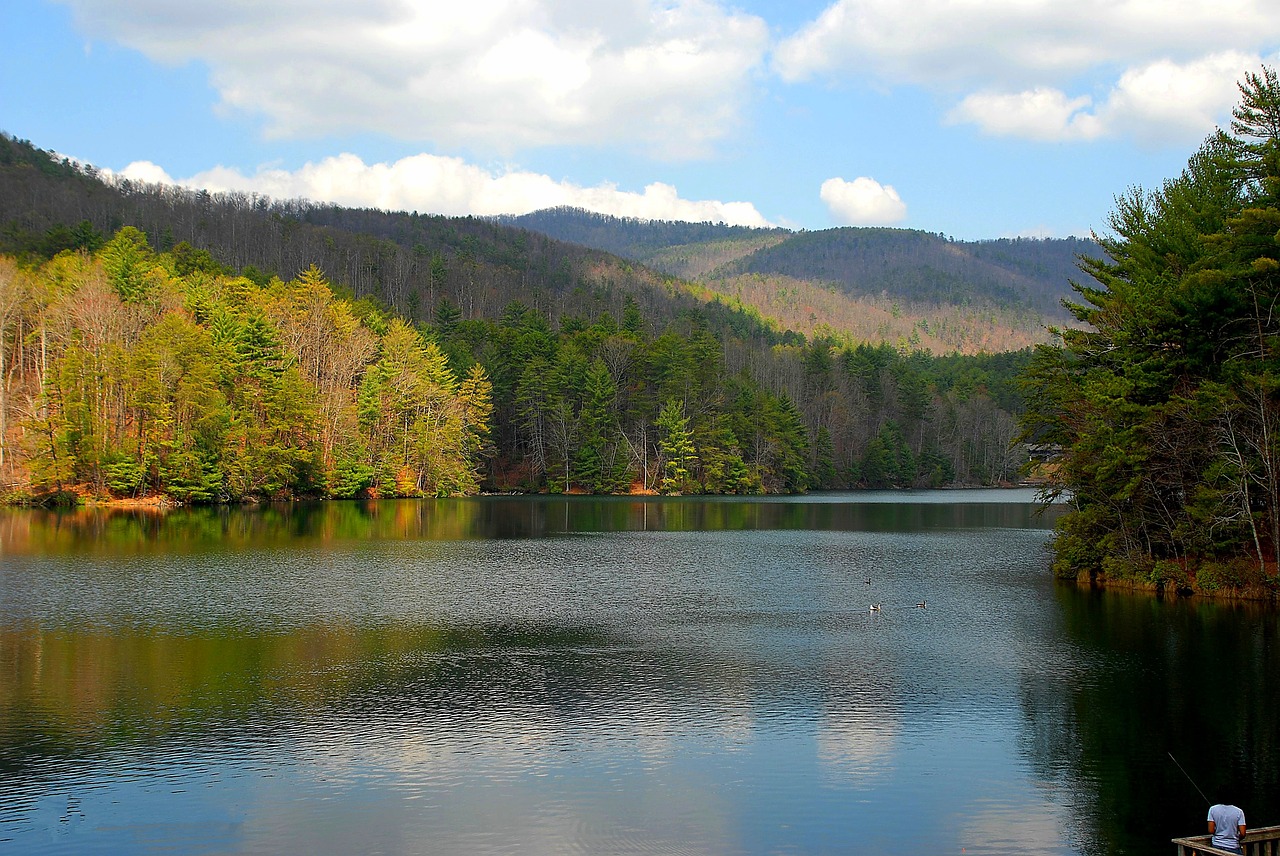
{"x": 910, "y": 288}
{"x": 861, "y": 260}
{"x": 913, "y": 290}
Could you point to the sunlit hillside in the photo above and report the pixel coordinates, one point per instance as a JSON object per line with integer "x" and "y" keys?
{"x": 910, "y": 289}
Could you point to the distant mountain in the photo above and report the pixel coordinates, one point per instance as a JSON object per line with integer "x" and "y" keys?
{"x": 920, "y": 267}
{"x": 629, "y": 237}
{"x": 919, "y": 274}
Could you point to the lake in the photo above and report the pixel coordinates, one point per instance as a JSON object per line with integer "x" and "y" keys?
{"x": 534, "y": 675}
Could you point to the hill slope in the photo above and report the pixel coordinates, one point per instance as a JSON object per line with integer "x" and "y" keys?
{"x": 901, "y": 286}
{"x": 629, "y": 237}
{"x": 920, "y": 267}
{"x": 408, "y": 262}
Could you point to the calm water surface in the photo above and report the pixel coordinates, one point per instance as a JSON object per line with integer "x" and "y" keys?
{"x": 551, "y": 676}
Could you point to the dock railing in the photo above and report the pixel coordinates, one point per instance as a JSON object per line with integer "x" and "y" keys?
{"x": 1264, "y": 841}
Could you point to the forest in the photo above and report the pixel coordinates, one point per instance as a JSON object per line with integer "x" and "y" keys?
{"x": 135, "y": 374}
{"x": 209, "y": 347}
{"x": 910, "y": 266}
{"x": 914, "y": 289}
{"x": 1165, "y": 401}
{"x": 632, "y": 237}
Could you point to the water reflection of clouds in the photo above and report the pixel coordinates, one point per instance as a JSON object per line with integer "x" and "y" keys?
{"x": 861, "y": 743}
{"x": 415, "y": 745}
{"x": 525, "y": 779}
{"x": 1023, "y": 829}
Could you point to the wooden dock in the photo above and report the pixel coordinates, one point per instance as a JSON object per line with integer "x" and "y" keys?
{"x": 1263, "y": 841}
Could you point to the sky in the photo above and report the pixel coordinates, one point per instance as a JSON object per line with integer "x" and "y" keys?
{"x": 974, "y": 119}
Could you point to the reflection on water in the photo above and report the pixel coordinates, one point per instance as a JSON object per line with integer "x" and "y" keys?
{"x": 524, "y": 675}
{"x": 107, "y": 530}
{"x": 1146, "y": 680}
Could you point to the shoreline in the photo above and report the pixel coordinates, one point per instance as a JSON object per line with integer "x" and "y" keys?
{"x": 1253, "y": 593}
{"x": 162, "y": 502}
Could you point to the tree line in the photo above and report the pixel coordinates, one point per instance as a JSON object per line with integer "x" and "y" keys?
{"x": 1166, "y": 406}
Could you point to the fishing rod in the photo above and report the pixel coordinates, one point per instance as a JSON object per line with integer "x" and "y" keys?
{"x": 1189, "y": 779}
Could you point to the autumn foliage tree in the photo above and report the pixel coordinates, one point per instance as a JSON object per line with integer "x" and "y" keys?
{"x": 130, "y": 378}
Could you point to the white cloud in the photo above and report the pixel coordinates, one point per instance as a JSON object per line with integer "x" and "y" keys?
{"x": 446, "y": 185}
{"x": 862, "y": 202}
{"x": 143, "y": 171}
{"x": 668, "y": 77}
{"x": 1046, "y": 70}
{"x": 1159, "y": 101}
{"x": 1038, "y": 114}
{"x": 1165, "y": 98}
{"x": 994, "y": 43}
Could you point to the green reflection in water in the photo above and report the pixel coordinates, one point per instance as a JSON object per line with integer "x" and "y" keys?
{"x": 109, "y": 531}
{"x": 72, "y": 692}
{"x": 1147, "y": 678}
{"x": 125, "y": 531}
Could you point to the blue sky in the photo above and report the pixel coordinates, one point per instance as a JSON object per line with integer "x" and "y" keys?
{"x": 972, "y": 118}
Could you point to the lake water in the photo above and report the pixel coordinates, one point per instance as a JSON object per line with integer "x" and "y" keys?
{"x": 609, "y": 676}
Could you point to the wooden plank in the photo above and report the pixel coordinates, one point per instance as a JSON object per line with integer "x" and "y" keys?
{"x": 1259, "y": 842}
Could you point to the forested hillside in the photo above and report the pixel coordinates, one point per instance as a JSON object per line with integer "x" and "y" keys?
{"x": 630, "y": 237}
{"x": 590, "y": 373}
{"x": 924, "y": 268}
{"x": 905, "y": 264}
{"x": 129, "y": 373}
{"x": 914, "y": 289}
{"x": 407, "y": 261}
{"x": 1167, "y": 406}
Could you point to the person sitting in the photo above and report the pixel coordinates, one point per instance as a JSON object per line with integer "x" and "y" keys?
{"x": 1226, "y": 825}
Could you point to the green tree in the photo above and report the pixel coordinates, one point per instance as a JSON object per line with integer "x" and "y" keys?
{"x": 412, "y": 420}
{"x": 1165, "y": 402}
{"x": 825, "y": 475}
{"x": 632, "y": 319}
{"x": 723, "y": 467}
{"x": 128, "y": 261}
{"x": 598, "y": 466}
{"x": 447, "y": 317}
{"x": 475, "y": 395}
{"x": 888, "y": 461}
{"x": 676, "y": 445}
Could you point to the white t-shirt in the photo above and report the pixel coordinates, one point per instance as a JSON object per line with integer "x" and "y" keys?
{"x": 1227, "y": 819}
